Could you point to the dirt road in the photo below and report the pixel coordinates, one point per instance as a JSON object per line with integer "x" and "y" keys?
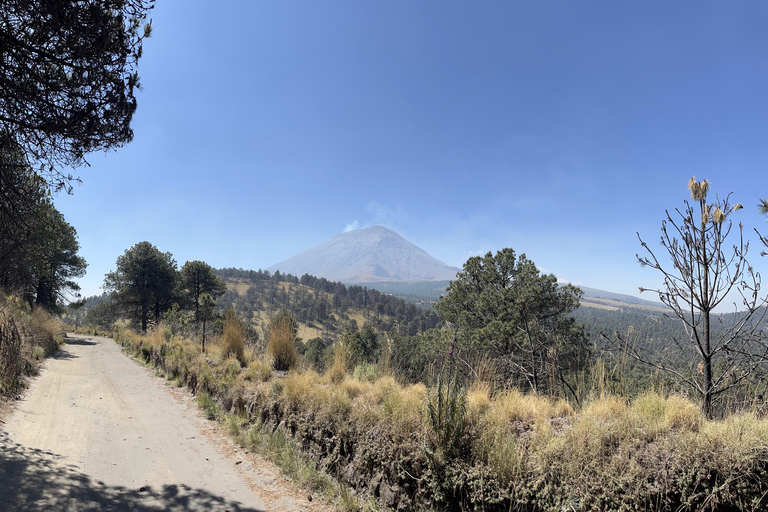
{"x": 96, "y": 431}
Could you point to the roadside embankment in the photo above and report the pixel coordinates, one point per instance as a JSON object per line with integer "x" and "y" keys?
{"x": 27, "y": 337}
{"x": 409, "y": 447}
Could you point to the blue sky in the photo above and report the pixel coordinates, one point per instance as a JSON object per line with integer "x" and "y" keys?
{"x": 557, "y": 128}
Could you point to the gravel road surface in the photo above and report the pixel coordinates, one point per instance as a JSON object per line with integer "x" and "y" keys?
{"x": 96, "y": 431}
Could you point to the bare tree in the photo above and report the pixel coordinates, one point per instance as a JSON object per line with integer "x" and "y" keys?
{"x": 703, "y": 271}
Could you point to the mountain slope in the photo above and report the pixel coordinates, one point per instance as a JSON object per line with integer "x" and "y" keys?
{"x": 367, "y": 255}
{"x": 620, "y": 297}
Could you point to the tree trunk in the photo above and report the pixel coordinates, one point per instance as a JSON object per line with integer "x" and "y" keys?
{"x": 706, "y": 403}
{"x": 144, "y": 315}
{"x": 204, "y": 335}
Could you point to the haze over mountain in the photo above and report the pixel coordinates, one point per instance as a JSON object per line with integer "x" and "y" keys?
{"x": 621, "y": 297}
{"x": 367, "y": 255}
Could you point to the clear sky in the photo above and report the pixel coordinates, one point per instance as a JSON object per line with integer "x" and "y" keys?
{"x": 557, "y": 128}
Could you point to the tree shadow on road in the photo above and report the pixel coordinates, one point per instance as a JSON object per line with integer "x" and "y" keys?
{"x": 78, "y": 341}
{"x": 37, "y": 480}
{"x": 63, "y": 353}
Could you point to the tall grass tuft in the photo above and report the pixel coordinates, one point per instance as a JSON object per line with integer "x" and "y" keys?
{"x": 338, "y": 371}
{"x": 47, "y": 330}
{"x": 234, "y": 341}
{"x": 281, "y": 343}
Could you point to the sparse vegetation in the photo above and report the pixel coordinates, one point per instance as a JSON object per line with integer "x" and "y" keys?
{"x": 400, "y": 421}
{"x": 706, "y": 268}
{"x": 510, "y": 450}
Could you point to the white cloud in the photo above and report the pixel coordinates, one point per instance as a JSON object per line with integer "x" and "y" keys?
{"x": 384, "y": 215}
{"x": 378, "y": 214}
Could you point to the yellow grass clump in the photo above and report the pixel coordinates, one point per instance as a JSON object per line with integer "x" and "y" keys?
{"x": 478, "y": 402}
{"x": 739, "y": 437}
{"x": 385, "y": 403}
{"x": 306, "y": 391}
{"x": 403, "y": 408}
{"x": 281, "y": 342}
{"x": 501, "y": 422}
{"x": 47, "y": 329}
{"x": 257, "y": 371}
{"x": 232, "y": 336}
{"x": 159, "y": 336}
{"x": 682, "y": 414}
{"x": 338, "y": 371}
{"x": 655, "y": 414}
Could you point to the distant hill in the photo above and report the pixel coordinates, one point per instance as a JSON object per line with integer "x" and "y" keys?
{"x": 620, "y": 297}
{"x": 322, "y": 308}
{"x": 374, "y": 254}
{"x": 425, "y": 293}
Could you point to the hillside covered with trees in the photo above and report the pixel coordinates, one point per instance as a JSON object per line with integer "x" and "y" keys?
{"x": 328, "y": 308}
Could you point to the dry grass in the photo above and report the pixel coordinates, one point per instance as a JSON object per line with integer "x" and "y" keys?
{"x": 306, "y": 332}
{"x": 26, "y": 338}
{"x": 47, "y": 330}
{"x": 232, "y": 337}
{"x": 478, "y": 402}
{"x": 238, "y": 286}
{"x": 281, "y": 343}
{"x": 338, "y": 371}
{"x": 654, "y": 414}
{"x": 739, "y": 437}
{"x": 386, "y": 404}
{"x": 258, "y": 371}
{"x": 11, "y": 357}
{"x": 502, "y": 421}
{"x": 308, "y": 392}
{"x": 627, "y": 449}
{"x": 403, "y": 409}
{"x": 615, "y": 305}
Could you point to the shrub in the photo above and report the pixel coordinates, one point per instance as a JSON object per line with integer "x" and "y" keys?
{"x": 208, "y": 405}
{"x": 338, "y": 371}
{"x": 281, "y": 344}
{"x": 234, "y": 341}
{"x": 257, "y": 371}
{"x": 446, "y": 412}
{"x": 365, "y": 372}
{"x": 46, "y": 329}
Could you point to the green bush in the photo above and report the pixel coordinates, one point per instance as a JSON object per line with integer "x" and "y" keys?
{"x": 446, "y": 412}
{"x": 365, "y": 372}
